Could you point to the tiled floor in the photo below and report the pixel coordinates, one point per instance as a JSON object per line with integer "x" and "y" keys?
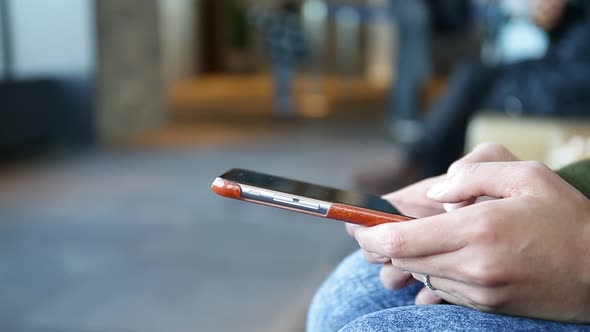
{"x": 121, "y": 240}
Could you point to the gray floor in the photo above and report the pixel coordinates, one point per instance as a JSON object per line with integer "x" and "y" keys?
{"x": 134, "y": 240}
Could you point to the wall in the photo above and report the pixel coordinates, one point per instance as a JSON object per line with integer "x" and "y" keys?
{"x": 52, "y": 38}
{"x": 51, "y": 98}
{"x": 130, "y": 89}
{"x": 178, "y": 31}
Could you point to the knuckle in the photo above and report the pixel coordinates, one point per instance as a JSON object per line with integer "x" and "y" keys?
{"x": 490, "y": 147}
{"x": 488, "y": 299}
{"x": 485, "y": 273}
{"x": 527, "y": 174}
{"x": 512, "y": 188}
{"x": 485, "y": 230}
{"x": 491, "y": 151}
{"x": 454, "y": 166}
{"x": 491, "y": 277}
{"x": 393, "y": 244}
{"x": 536, "y": 168}
{"x": 467, "y": 169}
{"x": 471, "y": 169}
{"x": 481, "y": 153}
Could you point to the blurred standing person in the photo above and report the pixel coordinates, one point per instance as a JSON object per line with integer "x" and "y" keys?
{"x": 285, "y": 44}
{"x": 418, "y": 21}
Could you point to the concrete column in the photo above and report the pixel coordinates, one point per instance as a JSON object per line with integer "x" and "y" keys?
{"x": 130, "y": 87}
{"x": 178, "y": 30}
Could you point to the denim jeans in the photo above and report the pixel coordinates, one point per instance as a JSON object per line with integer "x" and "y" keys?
{"x": 352, "y": 299}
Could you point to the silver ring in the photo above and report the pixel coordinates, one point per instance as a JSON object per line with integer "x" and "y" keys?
{"x": 428, "y": 284}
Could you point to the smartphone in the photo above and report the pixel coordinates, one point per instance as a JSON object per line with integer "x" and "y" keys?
{"x": 362, "y": 209}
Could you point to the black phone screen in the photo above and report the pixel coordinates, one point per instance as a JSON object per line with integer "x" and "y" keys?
{"x": 309, "y": 190}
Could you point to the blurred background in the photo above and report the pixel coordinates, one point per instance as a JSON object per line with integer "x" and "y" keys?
{"x": 116, "y": 115}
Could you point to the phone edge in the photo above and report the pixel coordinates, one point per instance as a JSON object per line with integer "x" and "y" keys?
{"x": 226, "y": 188}
{"x": 337, "y": 211}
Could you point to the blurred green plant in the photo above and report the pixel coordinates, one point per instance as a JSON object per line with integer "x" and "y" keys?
{"x": 240, "y": 35}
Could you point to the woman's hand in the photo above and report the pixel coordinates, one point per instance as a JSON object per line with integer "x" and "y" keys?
{"x": 525, "y": 253}
{"x": 415, "y": 196}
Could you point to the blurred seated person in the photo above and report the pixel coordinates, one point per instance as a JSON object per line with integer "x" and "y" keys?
{"x": 514, "y": 261}
{"x": 556, "y": 84}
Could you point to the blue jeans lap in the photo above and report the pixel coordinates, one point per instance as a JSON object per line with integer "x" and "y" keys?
{"x": 352, "y": 299}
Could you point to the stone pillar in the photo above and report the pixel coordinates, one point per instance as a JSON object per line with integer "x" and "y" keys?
{"x": 130, "y": 88}
{"x": 178, "y": 30}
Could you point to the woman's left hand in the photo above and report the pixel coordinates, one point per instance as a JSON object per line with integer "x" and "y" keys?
{"x": 524, "y": 254}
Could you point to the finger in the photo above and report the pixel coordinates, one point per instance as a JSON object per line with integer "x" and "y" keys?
{"x": 440, "y": 266}
{"x": 420, "y": 237}
{"x": 455, "y": 206}
{"x": 459, "y": 266}
{"x": 394, "y": 278}
{"x": 426, "y": 297}
{"x": 497, "y": 179}
{"x": 444, "y": 296}
{"x": 418, "y": 189}
{"x": 375, "y": 258}
{"x": 351, "y": 228}
{"x": 449, "y": 290}
{"x": 484, "y": 152}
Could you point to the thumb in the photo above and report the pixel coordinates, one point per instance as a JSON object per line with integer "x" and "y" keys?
{"x": 496, "y": 179}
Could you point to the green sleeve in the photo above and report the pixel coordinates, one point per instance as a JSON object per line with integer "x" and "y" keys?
{"x": 578, "y": 175}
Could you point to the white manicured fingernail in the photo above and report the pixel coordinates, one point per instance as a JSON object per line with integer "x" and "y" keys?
{"x": 438, "y": 190}
{"x": 451, "y": 206}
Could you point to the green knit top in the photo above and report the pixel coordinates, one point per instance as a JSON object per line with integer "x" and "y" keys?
{"x": 578, "y": 175}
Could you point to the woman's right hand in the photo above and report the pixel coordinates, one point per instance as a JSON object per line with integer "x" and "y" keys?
{"x": 393, "y": 278}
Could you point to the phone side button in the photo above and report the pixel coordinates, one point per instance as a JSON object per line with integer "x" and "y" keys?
{"x": 254, "y": 193}
{"x": 282, "y": 199}
{"x": 310, "y": 205}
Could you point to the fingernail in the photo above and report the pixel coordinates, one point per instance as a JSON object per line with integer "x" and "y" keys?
{"x": 451, "y": 206}
{"x": 379, "y": 258}
{"x": 437, "y": 190}
{"x": 382, "y": 259}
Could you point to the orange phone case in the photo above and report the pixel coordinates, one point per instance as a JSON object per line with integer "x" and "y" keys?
{"x": 338, "y": 211}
